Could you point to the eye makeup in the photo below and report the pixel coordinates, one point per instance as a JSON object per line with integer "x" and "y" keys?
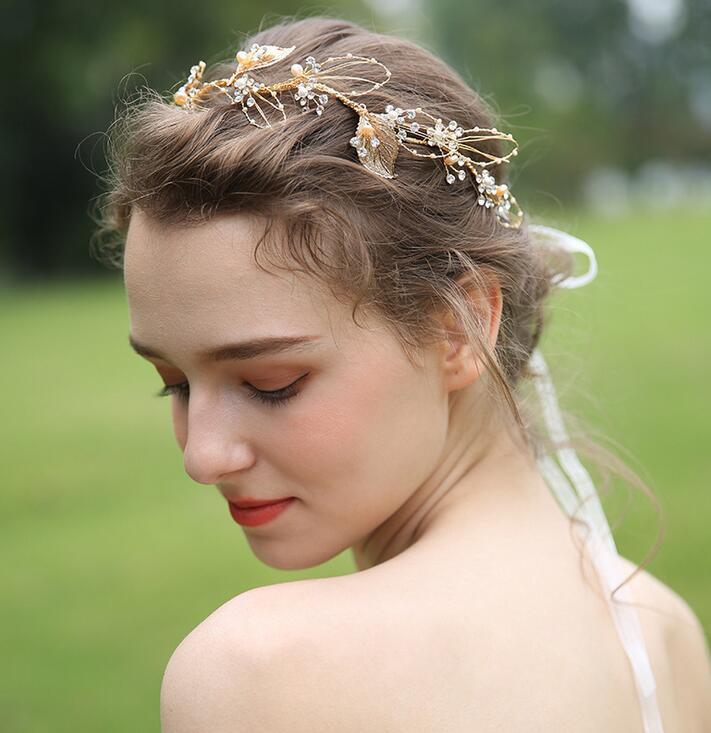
{"x": 272, "y": 398}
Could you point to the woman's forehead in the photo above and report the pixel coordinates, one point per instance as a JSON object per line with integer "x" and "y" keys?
{"x": 220, "y": 245}
{"x": 202, "y": 280}
{"x": 211, "y": 262}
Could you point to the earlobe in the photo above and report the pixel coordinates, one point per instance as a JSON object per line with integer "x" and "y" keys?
{"x": 461, "y": 364}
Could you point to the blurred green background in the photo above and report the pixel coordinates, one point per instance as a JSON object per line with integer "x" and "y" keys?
{"x": 110, "y": 554}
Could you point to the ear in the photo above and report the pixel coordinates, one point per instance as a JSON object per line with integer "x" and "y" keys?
{"x": 461, "y": 362}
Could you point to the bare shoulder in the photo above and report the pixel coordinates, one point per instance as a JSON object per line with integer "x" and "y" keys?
{"x": 249, "y": 664}
{"x": 666, "y": 616}
{"x": 208, "y": 681}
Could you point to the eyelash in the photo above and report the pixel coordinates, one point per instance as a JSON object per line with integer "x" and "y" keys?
{"x": 272, "y": 398}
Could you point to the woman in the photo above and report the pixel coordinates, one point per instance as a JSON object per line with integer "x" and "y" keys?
{"x": 320, "y": 226}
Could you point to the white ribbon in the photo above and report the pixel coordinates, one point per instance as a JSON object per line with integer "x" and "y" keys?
{"x": 572, "y": 244}
{"x": 573, "y": 485}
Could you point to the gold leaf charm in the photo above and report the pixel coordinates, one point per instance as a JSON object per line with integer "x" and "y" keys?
{"x": 377, "y": 147}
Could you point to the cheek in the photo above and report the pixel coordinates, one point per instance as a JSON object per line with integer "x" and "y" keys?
{"x": 370, "y": 441}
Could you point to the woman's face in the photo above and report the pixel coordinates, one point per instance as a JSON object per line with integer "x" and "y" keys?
{"x": 362, "y": 428}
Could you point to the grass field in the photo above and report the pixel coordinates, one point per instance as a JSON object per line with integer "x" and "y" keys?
{"x": 110, "y": 554}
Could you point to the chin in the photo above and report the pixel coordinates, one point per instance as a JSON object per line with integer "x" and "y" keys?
{"x": 283, "y": 556}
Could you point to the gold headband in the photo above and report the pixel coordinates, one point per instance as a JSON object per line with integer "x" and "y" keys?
{"x": 378, "y": 135}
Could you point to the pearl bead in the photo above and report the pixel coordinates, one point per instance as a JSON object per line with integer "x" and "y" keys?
{"x": 242, "y": 56}
{"x": 297, "y": 69}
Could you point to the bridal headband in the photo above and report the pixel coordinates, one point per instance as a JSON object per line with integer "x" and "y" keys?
{"x": 378, "y": 135}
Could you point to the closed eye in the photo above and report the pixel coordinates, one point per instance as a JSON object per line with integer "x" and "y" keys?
{"x": 273, "y": 397}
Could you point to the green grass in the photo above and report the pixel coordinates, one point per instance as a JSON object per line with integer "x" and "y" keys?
{"x": 111, "y": 554}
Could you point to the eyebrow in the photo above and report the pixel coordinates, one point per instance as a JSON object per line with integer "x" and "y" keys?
{"x": 250, "y": 349}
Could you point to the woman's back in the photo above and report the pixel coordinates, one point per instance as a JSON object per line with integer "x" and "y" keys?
{"x": 471, "y": 647}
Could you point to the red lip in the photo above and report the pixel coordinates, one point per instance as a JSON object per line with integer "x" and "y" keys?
{"x": 260, "y": 514}
{"x": 249, "y": 503}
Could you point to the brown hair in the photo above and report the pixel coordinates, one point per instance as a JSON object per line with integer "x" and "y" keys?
{"x": 402, "y": 248}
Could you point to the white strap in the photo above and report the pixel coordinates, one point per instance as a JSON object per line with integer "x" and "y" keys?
{"x": 574, "y": 486}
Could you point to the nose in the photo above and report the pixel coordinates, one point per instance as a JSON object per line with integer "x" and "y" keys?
{"x": 215, "y": 445}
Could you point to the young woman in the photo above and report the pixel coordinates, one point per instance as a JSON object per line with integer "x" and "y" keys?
{"x": 344, "y": 302}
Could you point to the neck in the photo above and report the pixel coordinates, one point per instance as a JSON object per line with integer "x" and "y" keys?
{"x": 490, "y": 484}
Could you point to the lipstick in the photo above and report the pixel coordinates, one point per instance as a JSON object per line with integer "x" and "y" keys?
{"x": 249, "y": 513}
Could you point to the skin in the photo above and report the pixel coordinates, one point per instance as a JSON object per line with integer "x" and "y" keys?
{"x": 407, "y": 465}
